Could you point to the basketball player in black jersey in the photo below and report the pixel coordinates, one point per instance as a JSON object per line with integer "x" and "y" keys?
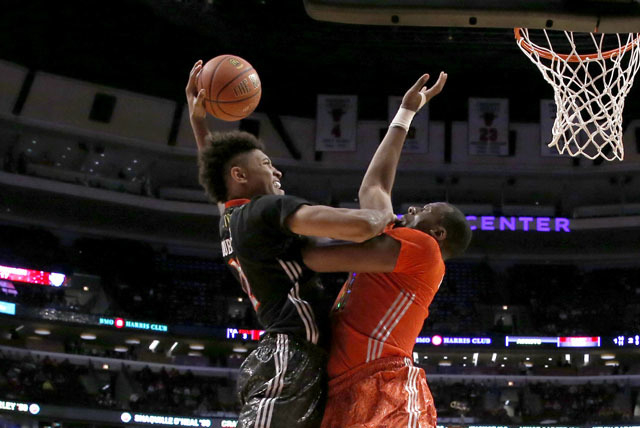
{"x": 282, "y": 382}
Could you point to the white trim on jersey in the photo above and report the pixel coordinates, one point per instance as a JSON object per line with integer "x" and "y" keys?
{"x": 387, "y": 323}
{"x": 293, "y": 271}
{"x": 411, "y": 386}
{"x": 275, "y": 385}
{"x": 393, "y": 325}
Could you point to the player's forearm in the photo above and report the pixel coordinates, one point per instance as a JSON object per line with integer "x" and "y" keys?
{"x": 200, "y": 131}
{"x": 375, "y": 255}
{"x": 353, "y": 225}
{"x": 381, "y": 173}
{"x": 339, "y": 223}
{"x": 375, "y": 191}
{"x": 371, "y": 223}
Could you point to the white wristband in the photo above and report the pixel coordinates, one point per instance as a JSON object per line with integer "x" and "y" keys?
{"x": 403, "y": 118}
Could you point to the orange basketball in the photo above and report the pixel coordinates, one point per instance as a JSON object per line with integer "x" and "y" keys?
{"x": 232, "y": 87}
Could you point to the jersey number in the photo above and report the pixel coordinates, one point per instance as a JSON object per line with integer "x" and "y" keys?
{"x": 244, "y": 282}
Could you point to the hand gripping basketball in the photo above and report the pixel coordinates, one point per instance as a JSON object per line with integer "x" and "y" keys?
{"x": 195, "y": 98}
{"x": 231, "y": 85}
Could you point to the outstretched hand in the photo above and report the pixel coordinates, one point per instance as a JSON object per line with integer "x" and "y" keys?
{"x": 195, "y": 98}
{"x": 418, "y": 95}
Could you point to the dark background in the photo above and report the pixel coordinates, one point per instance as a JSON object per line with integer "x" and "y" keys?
{"x": 149, "y": 46}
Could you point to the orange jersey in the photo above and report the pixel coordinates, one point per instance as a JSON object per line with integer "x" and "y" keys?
{"x": 379, "y": 315}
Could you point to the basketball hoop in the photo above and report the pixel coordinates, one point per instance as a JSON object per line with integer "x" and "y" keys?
{"x": 589, "y": 89}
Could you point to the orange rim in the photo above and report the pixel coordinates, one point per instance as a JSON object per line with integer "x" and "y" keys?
{"x": 544, "y": 53}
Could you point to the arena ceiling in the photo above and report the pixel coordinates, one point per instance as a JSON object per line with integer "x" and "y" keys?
{"x": 149, "y": 46}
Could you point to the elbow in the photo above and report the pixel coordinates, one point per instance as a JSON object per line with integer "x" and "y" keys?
{"x": 367, "y": 191}
{"x": 362, "y": 192}
{"x": 368, "y": 228}
{"x": 373, "y": 224}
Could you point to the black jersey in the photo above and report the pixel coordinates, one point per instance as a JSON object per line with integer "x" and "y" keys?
{"x": 266, "y": 258}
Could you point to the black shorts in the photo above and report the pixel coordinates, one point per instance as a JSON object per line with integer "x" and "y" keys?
{"x": 283, "y": 383}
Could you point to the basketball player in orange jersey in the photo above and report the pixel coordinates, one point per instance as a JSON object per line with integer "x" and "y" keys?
{"x": 378, "y": 315}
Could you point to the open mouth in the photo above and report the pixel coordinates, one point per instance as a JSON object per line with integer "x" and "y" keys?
{"x": 276, "y": 184}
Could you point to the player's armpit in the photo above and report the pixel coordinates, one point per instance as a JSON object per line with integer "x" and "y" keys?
{"x": 379, "y": 254}
{"x": 338, "y": 223}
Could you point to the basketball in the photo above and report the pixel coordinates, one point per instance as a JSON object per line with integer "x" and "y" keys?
{"x": 232, "y": 87}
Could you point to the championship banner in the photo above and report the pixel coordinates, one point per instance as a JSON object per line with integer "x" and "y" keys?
{"x": 418, "y": 136}
{"x": 489, "y": 126}
{"x": 336, "y": 123}
{"x": 548, "y": 111}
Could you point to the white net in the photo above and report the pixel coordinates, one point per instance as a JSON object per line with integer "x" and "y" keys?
{"x": 589, "y": 88}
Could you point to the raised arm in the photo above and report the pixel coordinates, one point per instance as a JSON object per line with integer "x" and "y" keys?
{"x": 339, "y": 223}
{"x": 195, "y": 101}
{"x": 375, "y": 190}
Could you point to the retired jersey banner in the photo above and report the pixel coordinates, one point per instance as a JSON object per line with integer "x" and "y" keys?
{"x": 489, "y": 126}
{"x": 548, "y": 111}
{"x": 336, "y": 123}
{"x": 418, "y": 136}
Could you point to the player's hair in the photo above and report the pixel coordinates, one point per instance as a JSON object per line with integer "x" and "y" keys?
{"x": 214, "y": 158}
{"x": 458, "y": 232}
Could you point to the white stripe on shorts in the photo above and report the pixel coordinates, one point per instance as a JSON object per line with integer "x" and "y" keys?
{"x": 412, "y": 394}
{"x": 274, "y": 389}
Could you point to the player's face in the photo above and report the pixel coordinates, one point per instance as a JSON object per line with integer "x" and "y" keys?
{"x": 263, "y": 177}
{"x": 426, "y": 217}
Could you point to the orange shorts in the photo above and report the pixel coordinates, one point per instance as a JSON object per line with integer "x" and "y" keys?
{"x": 386, "y": 393}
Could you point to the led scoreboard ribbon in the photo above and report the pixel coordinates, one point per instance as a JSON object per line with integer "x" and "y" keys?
{"x": 578, "y": 342}
{"x": 7, "y": 308}
{"x": 437, "y": 340}
{"x": 627, "y": 340}
{"x": 31, "y": 276}
{"x": 244, "y": 334}
{"x": 166, "y": 420}
{"x": 18, "y": 407}
{"x": 138, "y": 325}
{"x": 560, "y": 342}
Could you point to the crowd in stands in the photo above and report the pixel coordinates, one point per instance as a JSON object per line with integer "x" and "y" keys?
{"x": 181, "y": 392}
{"x": 73, "y": 167}
{"x": 81, "y": 347}
{"x": 158, "y": 286}
{"x": 537, "y": 402}
{"x": 43, "y": 381}
{"x": 169, "y": 391}
{"x": 62, "y": 383}
{"x": 564, "y": 300}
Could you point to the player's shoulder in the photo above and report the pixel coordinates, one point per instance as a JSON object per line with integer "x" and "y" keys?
{"x": 275, "y": 200}
{"x": 270, "y": 210}
{"x": 417, "y": 243}
{"x": 419, "y": 252}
